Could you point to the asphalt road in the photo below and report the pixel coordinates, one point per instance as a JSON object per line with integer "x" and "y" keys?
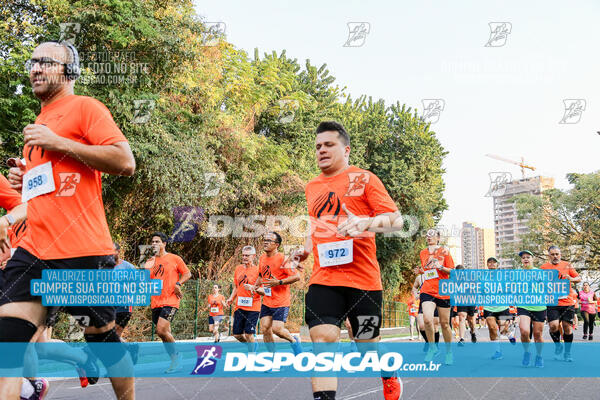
{"x": 349, "y": 388}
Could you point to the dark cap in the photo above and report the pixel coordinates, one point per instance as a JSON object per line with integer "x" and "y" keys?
{"x": 492, "y": 259}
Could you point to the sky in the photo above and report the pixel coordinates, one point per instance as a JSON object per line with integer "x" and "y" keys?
{"x": 506, "y": 98}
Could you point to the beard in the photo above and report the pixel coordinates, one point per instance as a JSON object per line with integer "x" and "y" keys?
{"x": 48, "y": 88}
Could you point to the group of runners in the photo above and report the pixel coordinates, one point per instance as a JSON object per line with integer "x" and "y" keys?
{"x": 56, "y": 186}
{"x": 435, "y": 312}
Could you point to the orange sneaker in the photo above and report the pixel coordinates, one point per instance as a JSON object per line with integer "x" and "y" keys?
{"x": 392, "y": 388}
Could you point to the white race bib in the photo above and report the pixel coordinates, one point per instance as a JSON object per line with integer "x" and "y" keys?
{"x": 267, "y": 291}
{"x": 244, "y": 301}
{"x": 563, "y": 297}
{"x": 335, "y": 253}
{"x": 214, "y": 310}
{"x": 430, "y": 274}
{"x": 37, "y": 181}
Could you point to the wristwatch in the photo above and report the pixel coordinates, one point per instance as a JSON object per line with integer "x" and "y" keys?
{"x": 10, "y": 219}
{"x": 280, "y": 282}
{"x": 178, "y": 284}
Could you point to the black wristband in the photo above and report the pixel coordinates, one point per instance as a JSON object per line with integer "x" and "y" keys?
{"x": 280, "y": 282}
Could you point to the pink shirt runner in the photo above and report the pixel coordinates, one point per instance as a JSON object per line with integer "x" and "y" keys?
{"x": 587, "y": 302}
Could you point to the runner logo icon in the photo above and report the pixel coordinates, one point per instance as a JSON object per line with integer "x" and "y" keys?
{"x": 207, "y": 359}
{"x": 366, "y": 326}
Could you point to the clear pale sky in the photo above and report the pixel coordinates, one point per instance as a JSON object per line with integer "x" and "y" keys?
{"x": 505, "y": 100}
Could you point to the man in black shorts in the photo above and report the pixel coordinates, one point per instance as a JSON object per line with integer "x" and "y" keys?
{"x": 73, "y": 140}
{"x": 564, "y": 312}
{"x": 466, "y": 314}
{"x": 347, "y": 206}
{"x": 173, "y": 273}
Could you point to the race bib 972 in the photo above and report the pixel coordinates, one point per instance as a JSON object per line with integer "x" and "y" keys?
{"x": 335, "y": 253}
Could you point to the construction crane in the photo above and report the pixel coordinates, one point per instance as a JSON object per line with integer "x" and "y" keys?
{"x": 520, "y": 164}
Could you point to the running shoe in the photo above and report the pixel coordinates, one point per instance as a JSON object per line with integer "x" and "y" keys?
{"x": 497, "y": 356}
{"x": 296, "y": 346}
{"x": 40, "y": 386}
{"x": 449, "y": 360}
{"x": 91, "y": 367}
{"x": 568, "y": 357}
{"x": 175, "y": 364}
{"x": 461, "y": 343}
{"x": 83, "y": 380}
{"x": 591, "y": 337}
{"x": 392, "y": 388}
{"x": 431, "y": 353}
{"x": 512, "y": 340}
{"x": 558, "y": 349}
{"x": 526, "y": 359}
{"x": 473, "y": 337}
{"x": 584, "y": 337}
{"x": 426, "y": 347}
{"x": 539, "y": 362}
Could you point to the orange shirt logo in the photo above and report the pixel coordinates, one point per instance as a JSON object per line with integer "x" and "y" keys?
{"x": 358, "y": 182}
{"x": 68, "y": 183}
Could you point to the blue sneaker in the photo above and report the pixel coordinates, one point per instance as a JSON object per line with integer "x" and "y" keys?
{"x": 498, "y": 356}
{"x": 431, "y": 353}
{"x": 296, "y": 346}
{"x": 526, "y": 359}
{"x": 512, "y": 340}
{"x": 568, "y": 357}
{"x": 539, "y": 362}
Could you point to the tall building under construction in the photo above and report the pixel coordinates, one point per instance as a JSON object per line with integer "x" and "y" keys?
{"x": 507, "y": 228}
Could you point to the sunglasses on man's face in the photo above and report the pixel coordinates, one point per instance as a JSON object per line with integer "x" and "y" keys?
{"x": 44, "y": 63}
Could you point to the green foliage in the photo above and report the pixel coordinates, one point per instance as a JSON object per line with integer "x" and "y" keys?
{"x": 568, "y": 219}
{"x": 217, "y": 111}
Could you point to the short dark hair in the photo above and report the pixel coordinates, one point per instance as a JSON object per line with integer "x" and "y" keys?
{"x": 161, "y": 235}
{"x": 553, "y": 247}
{"x": 117, "y": 246}
{"x": 327, "y": 126}
{"x": 459, "y": 266}
{"x": 277, "y": 236}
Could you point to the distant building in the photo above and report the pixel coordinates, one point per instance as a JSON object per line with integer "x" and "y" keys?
{"x": 454, "y": 245}
{"x": 507, "y": 228}
{"x": 477, "y": 245}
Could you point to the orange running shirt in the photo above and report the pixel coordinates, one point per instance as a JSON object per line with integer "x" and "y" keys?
{"x": 564, "y": 269}
{"x": 364, "y": 195}
{"x": 9, "y": 198}
{"x": 431, "y": 286}
{"x": 271, "y": 268}
{"x": 70, "y": 220}
{"x": 215, "y": 301}
{"x": 169, "y": 269}
{"x": 241, "y": 276}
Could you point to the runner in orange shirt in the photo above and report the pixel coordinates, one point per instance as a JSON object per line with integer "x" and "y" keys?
{"x": 436, "y": 264}
{"x": 247, "y": 299}
{"x": 564, "y": 312}
{"x": 173, "y": 273}
{"x": 276, "y": 275}
{"x": 216, "y": 302}
{"x": 347, "y": 206}
{"x": 73, "y": 141}
{"x": 413, "y": 310}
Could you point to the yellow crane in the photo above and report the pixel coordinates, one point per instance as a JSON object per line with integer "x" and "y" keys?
{"x": 520, "y": 164}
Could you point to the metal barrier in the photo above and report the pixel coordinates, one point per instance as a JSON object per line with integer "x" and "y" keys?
{"x": 191, "y": 320}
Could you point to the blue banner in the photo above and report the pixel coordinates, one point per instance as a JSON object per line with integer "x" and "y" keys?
{"x": 504, "y": 287}
{"x": 226, "y": 360}
{"x": 95, "y": 287}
